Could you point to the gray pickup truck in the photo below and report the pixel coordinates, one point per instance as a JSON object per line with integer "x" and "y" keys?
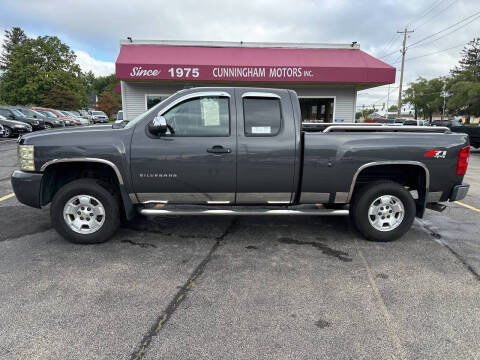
{"x": 238, "y": 151}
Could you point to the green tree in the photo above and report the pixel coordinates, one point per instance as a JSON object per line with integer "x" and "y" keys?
{"x": 89, "y": 82}
{"x": 12, "y": 39}
{"x": 464, "y": 85}
{"x": 61, "y": 99}
{"x": 426, "y": 96}
{"x": 393, "y": 108}
{"x": 105, "y": 83}
{"x": 468, "y": 68}
{"x": 108, "y": 103}
{"x": 38, "y": 66}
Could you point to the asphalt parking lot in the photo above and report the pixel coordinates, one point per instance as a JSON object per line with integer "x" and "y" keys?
{"x": 240, "y": 288}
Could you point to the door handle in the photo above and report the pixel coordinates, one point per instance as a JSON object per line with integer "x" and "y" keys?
{"x": 218, "y": 149}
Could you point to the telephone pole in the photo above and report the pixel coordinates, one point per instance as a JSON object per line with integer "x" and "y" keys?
{"x": 444, "y": 95}
{"x": 404, "y": 50}
{"x": 388, "y": 100}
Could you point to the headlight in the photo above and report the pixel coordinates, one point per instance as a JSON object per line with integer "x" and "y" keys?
{"x": 57, "y": 121}
{"x": 35, "y": 122}
{"x": 20, "y": 126}
{"x": 26, "y": 158}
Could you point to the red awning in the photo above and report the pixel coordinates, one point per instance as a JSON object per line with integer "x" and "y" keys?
{"x": 205, "y": 63}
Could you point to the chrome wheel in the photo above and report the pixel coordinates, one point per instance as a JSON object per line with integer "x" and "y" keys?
{"x": 48, "y": 126}
{"x": 84, "y": 214}
{"x": 7, "y": 132}
{"x": 386, "y": 213}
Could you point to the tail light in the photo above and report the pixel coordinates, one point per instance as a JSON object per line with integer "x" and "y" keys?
{"x": 462, "y": 162}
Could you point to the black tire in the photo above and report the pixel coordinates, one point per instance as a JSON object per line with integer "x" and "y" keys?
{"x": 366, "y": 195}
{"x": 7, "y": 132}
{"x": 93, "y": 188}
{"x": 48, "y": 126}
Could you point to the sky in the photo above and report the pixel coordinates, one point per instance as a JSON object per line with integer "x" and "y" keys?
{"x": 93, "y": 28}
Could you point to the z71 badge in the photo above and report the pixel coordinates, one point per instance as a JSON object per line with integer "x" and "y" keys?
{"x": 439, "y": 154}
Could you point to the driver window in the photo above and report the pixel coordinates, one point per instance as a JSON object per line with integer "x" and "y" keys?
{"x": 202, "y": 116}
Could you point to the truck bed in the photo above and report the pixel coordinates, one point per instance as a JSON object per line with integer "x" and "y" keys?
{"x": 332, "y": 159}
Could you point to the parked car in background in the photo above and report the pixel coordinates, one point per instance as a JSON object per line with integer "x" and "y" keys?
{"x": 49, "y": 122}
{"x": 69, "y": 121}
{"x": 13, "y": 114}
{"x": 415, "y": 123}
{"x": 77, "y": 116}
{"x": 448, "y": 123}
{"x": 13, "y": 127}
{"x": 473, "y": 132}
{"x": 119, "y": 118}
{"x": 67, "y": 115}
{"x": 98, "y": 116}
{"x": 83, "y": 113}
{"x": 51, "y": 115}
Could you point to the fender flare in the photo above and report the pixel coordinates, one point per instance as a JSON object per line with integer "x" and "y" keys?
{"x": 421, "y": 203}
{"x": 127, "y": 202}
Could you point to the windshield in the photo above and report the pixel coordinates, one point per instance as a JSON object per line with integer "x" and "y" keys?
{"x": 50, "y": 114}
{"x": 98, "y": 113}
{"x": 120, "y": 115}
{"x": 142, "y": 116}
{"x": 18, "y": 113}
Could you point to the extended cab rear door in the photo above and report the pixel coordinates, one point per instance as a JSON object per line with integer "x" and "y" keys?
{"x": 266, "y": 146}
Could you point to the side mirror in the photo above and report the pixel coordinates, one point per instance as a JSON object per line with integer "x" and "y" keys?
{"x": 158, "y": 126}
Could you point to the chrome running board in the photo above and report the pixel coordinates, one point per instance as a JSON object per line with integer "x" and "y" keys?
{"x": 230, "y": 210}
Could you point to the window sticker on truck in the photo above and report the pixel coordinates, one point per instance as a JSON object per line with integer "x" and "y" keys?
{"x": 439, "y": 154}
{"x": 261, "y": 129}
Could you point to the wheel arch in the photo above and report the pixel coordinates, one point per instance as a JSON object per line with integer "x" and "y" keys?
{"x": 65, "y": 170}
{"x": 379, "y": 170}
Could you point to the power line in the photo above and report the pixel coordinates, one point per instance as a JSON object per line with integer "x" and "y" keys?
{"x": 435, "y": 15}
{"x": 396, "y": 60}
{"x": 433, "y": 53}
{"x": 387, "y": 55}
{"x": 448, "y": 27}
{"x": 451, "y": 32}
{"x": 389, "y": 44}
{"x": 427, "y": 10}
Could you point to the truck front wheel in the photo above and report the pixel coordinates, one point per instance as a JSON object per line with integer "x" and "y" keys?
{"x": 84, "y": 212}
{"x": 382, "y": 211}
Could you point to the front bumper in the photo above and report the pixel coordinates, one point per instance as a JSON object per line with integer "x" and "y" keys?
{"x": 26, "y": 186}
{"x": 20, "y": 131}
{"x": 459, "y": 192}
{"x": 38, "y": 127}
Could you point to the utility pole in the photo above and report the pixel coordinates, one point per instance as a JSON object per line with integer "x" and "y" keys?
{"x": 444, "y": 94}
{"x": 404, "y": 50}
{"x": 388, "y": 100}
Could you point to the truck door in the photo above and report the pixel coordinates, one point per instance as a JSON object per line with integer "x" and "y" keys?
{"x": 194, "y": 161}
{"x": 266, "y": 145}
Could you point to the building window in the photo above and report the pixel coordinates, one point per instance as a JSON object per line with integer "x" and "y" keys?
{"x": 263, "y": 117}
{"x": 317, "y": 110}
{"x": 152, "y": 100}
{"x": 202, "y": 116}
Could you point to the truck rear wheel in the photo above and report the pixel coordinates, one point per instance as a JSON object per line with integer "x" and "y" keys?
{"x": 382, "y": 211}
{"x": 84, "y": 212}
